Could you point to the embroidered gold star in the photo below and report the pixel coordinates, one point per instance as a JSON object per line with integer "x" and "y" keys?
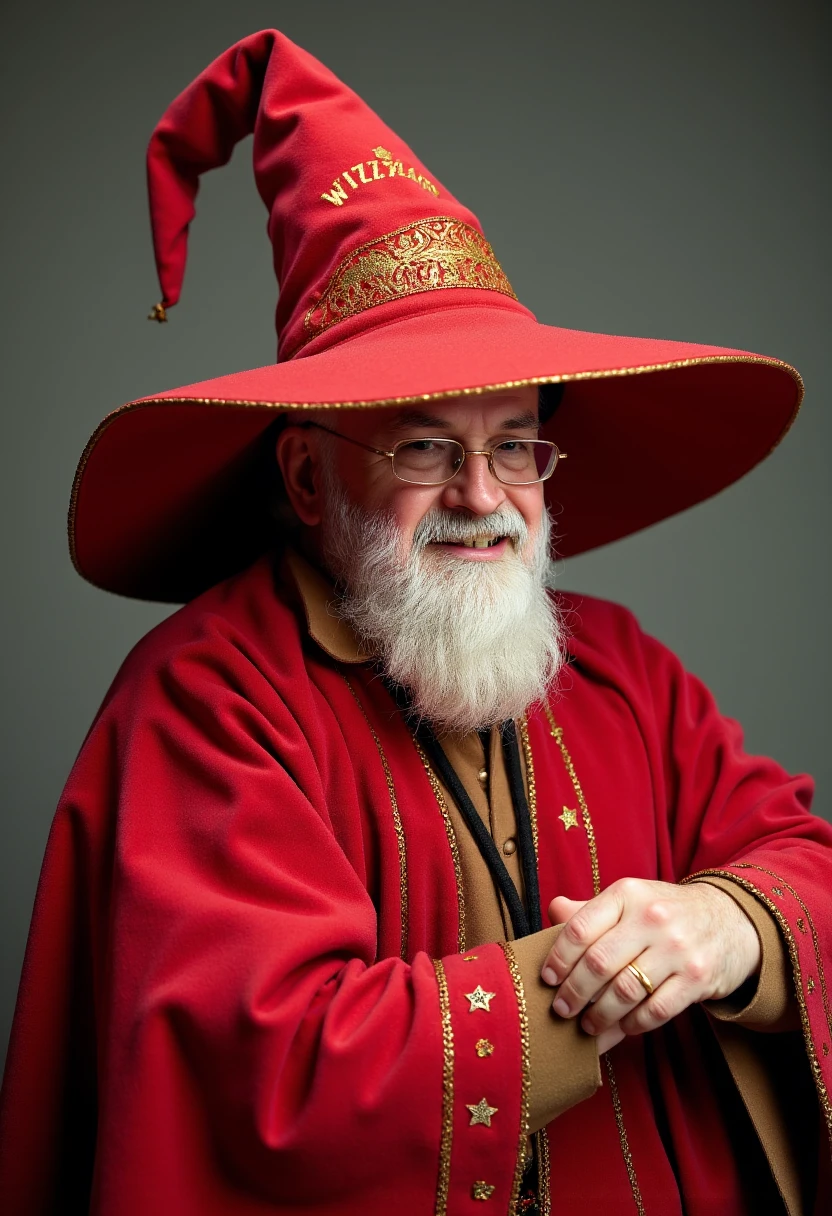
{"x": 482, "y": 1190}
{"x": 480, "y": 999}
{"x": 484, "y": 1048}
{"x": 569, "y": 819}
{"x": 481, "y": 1113}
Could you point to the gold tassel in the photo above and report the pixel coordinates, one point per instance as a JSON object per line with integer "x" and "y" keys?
{"x": 159, "y": 313}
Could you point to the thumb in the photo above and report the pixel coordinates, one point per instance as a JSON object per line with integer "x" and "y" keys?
{"x": 562, "y": 909}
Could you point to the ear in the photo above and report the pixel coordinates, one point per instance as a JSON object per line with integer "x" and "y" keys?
{"x": 297, "y": 453}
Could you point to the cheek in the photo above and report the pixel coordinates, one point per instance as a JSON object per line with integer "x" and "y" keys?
{"x": 528, "y": 500}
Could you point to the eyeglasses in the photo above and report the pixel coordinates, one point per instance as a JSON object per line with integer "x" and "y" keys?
{"x": 432, "y": 462}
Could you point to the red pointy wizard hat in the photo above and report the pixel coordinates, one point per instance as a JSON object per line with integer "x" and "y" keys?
{"x": 389, "y": 293}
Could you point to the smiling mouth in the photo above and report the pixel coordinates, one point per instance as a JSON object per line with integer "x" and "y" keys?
{"x": 477, "y": 542}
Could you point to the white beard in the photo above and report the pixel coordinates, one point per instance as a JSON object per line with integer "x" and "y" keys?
{"x": 475, "y": 643}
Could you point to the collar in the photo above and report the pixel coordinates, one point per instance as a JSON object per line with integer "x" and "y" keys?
{"x": 333, "y": 634}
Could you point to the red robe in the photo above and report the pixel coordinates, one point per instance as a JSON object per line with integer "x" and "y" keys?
{"x": 229, "y": 1002}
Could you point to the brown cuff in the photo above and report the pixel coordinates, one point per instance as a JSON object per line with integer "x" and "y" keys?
{"x": 770, "y": 1005}
{"x": 564, "y": 1059}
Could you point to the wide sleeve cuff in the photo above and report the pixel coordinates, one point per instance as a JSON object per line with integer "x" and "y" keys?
{"x": 563, "y": 1059}
{"x": 770, "y": 1005}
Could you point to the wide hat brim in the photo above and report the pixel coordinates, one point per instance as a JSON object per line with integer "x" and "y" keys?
{"x": 164, "y": 505}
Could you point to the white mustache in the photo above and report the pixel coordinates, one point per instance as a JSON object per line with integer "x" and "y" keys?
{"x": 447, "y": 527}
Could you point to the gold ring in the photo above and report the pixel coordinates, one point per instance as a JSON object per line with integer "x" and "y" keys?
{"x": 641, "y": 977}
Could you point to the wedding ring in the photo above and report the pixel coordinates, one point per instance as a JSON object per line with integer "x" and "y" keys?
{"x": 641, "y": 977}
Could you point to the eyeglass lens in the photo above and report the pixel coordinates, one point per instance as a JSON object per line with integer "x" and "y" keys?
{"x": 432, "y": 461}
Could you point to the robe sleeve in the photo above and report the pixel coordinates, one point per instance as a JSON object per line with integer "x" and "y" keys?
{"x": 245, "y": 1050}
{"x": 742, "y": 820}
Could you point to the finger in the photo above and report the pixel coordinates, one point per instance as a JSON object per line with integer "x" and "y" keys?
{"x": 667, "y": 1002}
{"x": 581, "y": 931}
{"x": 626, "y": 991}
{"x": 602, "y": 961}
{"x": 562, "y": 909}
{"x": 609, "y": 1039}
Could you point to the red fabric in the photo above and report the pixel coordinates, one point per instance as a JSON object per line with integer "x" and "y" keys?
{"x": 309, "y": 127}
{"x": 214, "y": 1014}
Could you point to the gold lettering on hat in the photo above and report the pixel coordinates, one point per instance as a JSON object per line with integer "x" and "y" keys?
{"x": 395, "y": 168}
{"x": 339, "y": 195}
{"x": 430, "y": 255}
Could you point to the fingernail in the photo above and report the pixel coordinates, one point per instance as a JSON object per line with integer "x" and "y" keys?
{"x": 561, "y": 1007}
{"x": 549, "y": 976}
{"x": 588, "y": 1025}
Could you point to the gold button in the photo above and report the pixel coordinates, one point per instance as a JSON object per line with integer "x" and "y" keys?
{"x": 510, "y": 846}
{"x": 482, "y": 776}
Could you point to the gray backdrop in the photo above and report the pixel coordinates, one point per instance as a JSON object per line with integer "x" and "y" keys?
{"x": 648, "y": 168}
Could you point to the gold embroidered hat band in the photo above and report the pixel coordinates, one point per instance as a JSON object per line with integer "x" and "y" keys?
{"x": 389, "y": 293}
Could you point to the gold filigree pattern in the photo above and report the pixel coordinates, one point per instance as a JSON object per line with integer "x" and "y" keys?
{"x": 526, "y": 1075}
{"x": 430, "y": 255}
{"x": 397, "y": 822}
{"x": 446, "y": 1138}
{"x": 449, "y": 829}
{"x": 557, "y": 735}
{"x": 544, "y": 1173}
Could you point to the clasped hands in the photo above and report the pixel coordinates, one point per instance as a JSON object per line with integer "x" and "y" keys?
{"x": 693, "y": 943}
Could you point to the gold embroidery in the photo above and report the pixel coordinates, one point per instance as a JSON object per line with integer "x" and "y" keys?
{"x": 470, "y": 958}
{"x": 557, "y": 735}
{"x": 484, "y": 1048}
{"x": 777, "y": 890}
{"x": 544, "y": 1173}
{"x": 745, "y": 865}
{"x": 785, "y": 927}
{"x": 429, "y": 255}
{"x": 481, "y": 1113}
{"x": 826, "y": 1049}
{"x": 527, "y": 755}
{"x": 480, "y": 999}
{"x": 622, "y": 1136}
{"x": 801, "y": 924}
{"x": 449, "y": 830}
{"x": 810, "y": 985}
{"x": 395, "y": 168}
{"x": 569, "y": 819}
{"x": 482, "y": 1190}
{"x": 446, "y": 1140}
{"x": 525, "y": 1056}
{"x": 397, "y": 823}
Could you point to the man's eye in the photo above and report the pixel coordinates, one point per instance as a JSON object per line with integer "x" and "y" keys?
{"x": 419, "y": 445}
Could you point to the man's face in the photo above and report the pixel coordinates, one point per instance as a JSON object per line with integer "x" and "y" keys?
{"x": 479, "y": 423}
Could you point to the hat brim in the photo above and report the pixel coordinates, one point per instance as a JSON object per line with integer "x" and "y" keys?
{"x": 162, "y": 505}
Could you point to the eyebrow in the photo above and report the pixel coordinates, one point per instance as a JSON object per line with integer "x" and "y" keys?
{"x": 417, "y": 419}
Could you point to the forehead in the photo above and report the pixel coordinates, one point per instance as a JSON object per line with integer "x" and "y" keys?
{"x": 514, "y": 410}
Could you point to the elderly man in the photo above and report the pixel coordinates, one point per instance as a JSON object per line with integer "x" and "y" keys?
{"x": 388, "y": 879}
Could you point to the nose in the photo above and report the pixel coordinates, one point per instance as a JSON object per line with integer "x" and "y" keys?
{"x": 475, "y": 488}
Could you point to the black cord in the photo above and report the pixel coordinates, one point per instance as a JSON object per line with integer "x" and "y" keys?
{"x": 525, "y": 837}
{"x": 480, "y": 833}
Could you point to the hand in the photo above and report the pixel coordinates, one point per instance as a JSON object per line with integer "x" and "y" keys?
{"x": 694, "y": 943}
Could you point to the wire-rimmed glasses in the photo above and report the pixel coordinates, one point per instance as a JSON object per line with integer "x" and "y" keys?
{"x": 432, "y": 461}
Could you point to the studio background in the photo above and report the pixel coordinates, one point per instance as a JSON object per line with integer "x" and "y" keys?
{"x": 656, "y": 169}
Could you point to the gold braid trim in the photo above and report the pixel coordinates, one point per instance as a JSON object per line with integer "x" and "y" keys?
{"x": 446, "y": 1139}
{"x": 799, "y": 985}
{"x": 401, "y": 843}
{"x": 544, "y": 1173}
{"x": 526, "y": 1079}
{"x": 449, "y": 829}
{"x": 431, "y": 255}
{"x": 527, "y": 755}
{"x": 557, "y": 735}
